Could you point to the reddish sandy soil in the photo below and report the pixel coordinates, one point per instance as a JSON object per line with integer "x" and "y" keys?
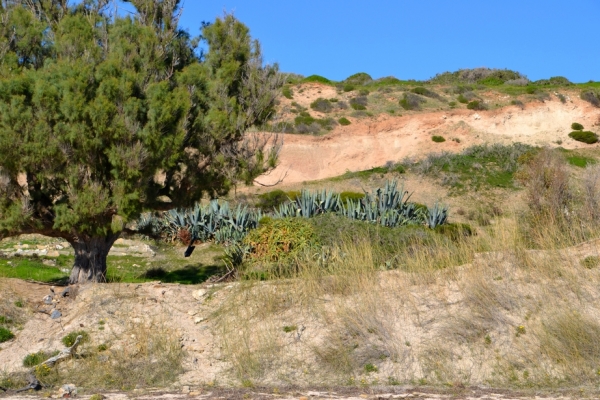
{"x": 371, "y": 142}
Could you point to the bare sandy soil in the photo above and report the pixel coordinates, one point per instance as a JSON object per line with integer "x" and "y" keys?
{"x": 371, "y": 142}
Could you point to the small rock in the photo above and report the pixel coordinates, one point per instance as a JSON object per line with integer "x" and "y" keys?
{"x": 55, "y": 314}
{"x": 50, "y": 263}
{"x": 48, "y": 299}
{"x": 185, "y": 389}
{"x": 66, "y": 292}
{"x": 199, "y": 294}
{"x": 68, "y": 390}
{"x": 191, "y": 313}
{"x": 197, "y": 320}
{"x": 65, "y": 270}
{"x": 58, "y": 247}
{"x": 54, "y": 254}
{"x": 194, "y": 393}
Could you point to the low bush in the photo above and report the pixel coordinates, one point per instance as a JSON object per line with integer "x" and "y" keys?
{"x": 454, "y": 231}
{"x": 271, "y": 200}
{"x": 426, "y": 92}
{"x": 344, "y": 196}
{"x": 69, "y": 340}
{"x": 576, "y": 126}
{"x": 321, "y": 105}
{"x": 517, "y": 103}
{"x": 344, "y": 121}
{"x": 5, "y": 334}
{"x": 363, "y": 92}
{"x": 462, "y": 99}
{"x": 476, "y": 105}
{"x": 553, "y": 81}
{"x": 584, "y": 136}
{"x": 287, "y": 92}
{"x": 33, "y": 359}
{"x": 411, "y": 101}
{"x": 359, "y": 103}
{"x": 317, "y": 78}
{"x": 438, "y": 139}
{"x": 348, "y": 87}
{"x": 360, "y": 78}
{"x": 304, "y": 118}
{"x": 591, "y": 96}
{"x": 278, "y": 242}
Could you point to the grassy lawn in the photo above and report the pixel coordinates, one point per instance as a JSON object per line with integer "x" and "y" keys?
{"x": 169, "y": 266}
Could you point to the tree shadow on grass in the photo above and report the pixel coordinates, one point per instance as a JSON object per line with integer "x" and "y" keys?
{"x": 188, "y": 275}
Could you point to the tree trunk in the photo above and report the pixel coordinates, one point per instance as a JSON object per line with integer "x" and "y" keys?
{"x": 90, "y": 258}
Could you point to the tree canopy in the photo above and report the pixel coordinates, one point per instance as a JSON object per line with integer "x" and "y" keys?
{"x": 105, "y": 116}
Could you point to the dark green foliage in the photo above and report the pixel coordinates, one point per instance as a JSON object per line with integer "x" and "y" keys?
{"x": 580, "y": 161}
{"x": 348, "y": 87}
{"x": 426, "y": 92}
{"x": 321, "y": 105}
{"x": 33, "y": 359}
{"x": 476, "y": 166}
{"x": 454, "y": 231}
{"x": 304, "y": 118}
{"x": 271, "y": 200}
{"x": 287, "y": 92}
{"x": 476, "y": 105}
{"x": 317, "y": 78}
{"x": 438, "y": 139}
{"x": 359, "y": 103}
{"x": 360, "y": 78}
{"x": 411, "y": 101}
{"x": 344, "y": 196}
{"x": 5, "y": 334}
{"x": 592, "y": 96}
{"x": 69, "y": 340}
{"x": 462, "y": 99}
{"x": 485, "y": 76}
{"x": 590, "y": 262}
{"x": 363, "y": 92}
{"x": 584, "y": 136}
{"x": 518, "y": 103}
{"x": 554, "y": 81}
{"x": 344, "y": 121}
{"x": 531, "y": 90}
{"x": 576, "y": 126}
{"x": 92, "y": 105}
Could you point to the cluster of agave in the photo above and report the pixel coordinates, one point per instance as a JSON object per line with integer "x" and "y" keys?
{"x": 213, "y": 222}
{"x": 388, "y": 206}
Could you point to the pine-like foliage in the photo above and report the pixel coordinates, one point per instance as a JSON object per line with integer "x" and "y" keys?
{"x": 105, "y": 116}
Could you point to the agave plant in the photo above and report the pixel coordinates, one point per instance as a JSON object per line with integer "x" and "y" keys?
{"x": 438, "y": 215}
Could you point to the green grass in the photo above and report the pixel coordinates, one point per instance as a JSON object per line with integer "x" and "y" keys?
{"x": 360, "y": 174}
{"x": 173, "y": 268}
{"x": 475, "y": 168}
{"x": 31, "y": 269}
{"x": 576, "y": 159}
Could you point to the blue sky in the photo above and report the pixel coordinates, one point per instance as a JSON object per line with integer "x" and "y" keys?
{"x": 417, "y": 39}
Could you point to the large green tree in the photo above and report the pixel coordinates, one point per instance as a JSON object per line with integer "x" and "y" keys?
{"x": 103, "y": 117}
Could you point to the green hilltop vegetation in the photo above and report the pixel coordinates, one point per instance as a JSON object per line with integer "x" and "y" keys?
{"x": 361, "y": 96}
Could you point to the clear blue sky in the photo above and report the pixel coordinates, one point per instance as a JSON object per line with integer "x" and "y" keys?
{"x": 419, "y": 38}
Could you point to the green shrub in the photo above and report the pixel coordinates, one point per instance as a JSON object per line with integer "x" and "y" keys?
{"x": 454, "y": 231}
{"x": 333, "y": 100}
{"x": 590, "y": 262}
{"x": 5, "y": 334}
{"x": 530, "y": 90}
{"x": 363, "y": 92}
{"x": 591, "y": 96}
{"x": 360, "y": 78}
{"x": 370, "y": 368}
{"x": 359, "y": 103}
{"x": 438, "y": 139}
{"x": 276, "y": 242}
{"x": 317, "y": 78}
{"x": 425, "y": 92}
{"x": 411, "y": 101}
{"x": 462, "y": 99}
{"x": 5, "y": 320}
{"x": 348, "y": 88}
{"x": 344, "y": 121}
{"x": 344, "y": 196}
{"x": 304, "y": 118}
{"x": 321, "y": 105}
{"x": 452, "y": 104}
{"x": 33, "y": 359}
{"x": 270, "y": 200}
{"x": 287, "y": 92}
{"x": 69, "y": 340}
{"x": 576, "y": 126}
{"x": 518, "y": 103}
{"x": 584, "y": 136}
{"x": 553, "y": 81}
{"x": 476, "y": 105}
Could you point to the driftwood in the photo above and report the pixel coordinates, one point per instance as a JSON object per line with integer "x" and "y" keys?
{"x": 34, "y": 383}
